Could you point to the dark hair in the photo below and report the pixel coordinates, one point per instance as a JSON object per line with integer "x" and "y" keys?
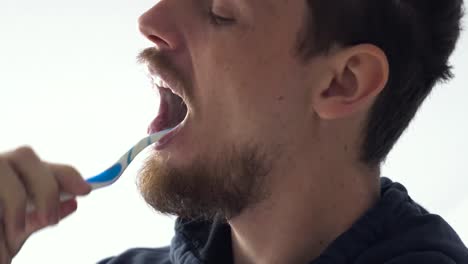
{"x": 417, "y": 36}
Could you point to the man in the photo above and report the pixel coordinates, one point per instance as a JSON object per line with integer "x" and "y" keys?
{"x": 284, "y": 112}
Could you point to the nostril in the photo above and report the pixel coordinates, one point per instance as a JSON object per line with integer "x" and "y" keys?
{"x": 159, "y": 27}
{"x": 160, "y": 43}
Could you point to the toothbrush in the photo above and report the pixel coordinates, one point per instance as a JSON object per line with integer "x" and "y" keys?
{"x": 113, "y": 173}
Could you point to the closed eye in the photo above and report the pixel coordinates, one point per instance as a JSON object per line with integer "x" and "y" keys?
{"x": 218, "y": 20}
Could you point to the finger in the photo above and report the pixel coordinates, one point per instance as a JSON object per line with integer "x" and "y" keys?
{"x": 4, "y": 254}
{"x": 5, "y": 257}
{"x": 34, "y": 223}
{"x": 67, "y": 208}
{"x": 13, "y": 199}
{"x": 69, "y": 179}
{"x": 39, "y": 182}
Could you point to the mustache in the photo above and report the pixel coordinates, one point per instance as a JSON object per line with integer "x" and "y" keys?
{"x": 159, "y": 63}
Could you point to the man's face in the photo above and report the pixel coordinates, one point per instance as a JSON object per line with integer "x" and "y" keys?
{"x": 245, "y": 90}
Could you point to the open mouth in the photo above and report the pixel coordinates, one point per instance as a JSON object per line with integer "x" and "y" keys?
{"x": 172, "y": 111}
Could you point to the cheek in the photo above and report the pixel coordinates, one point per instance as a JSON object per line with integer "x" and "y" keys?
{"x": 258, "y": 96}
{"x": 248, "y": 81}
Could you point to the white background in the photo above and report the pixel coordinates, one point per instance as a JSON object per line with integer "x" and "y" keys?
{"x": 70, "y": 88}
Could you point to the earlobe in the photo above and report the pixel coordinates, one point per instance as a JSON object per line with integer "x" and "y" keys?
{"x": 360, "y": 74}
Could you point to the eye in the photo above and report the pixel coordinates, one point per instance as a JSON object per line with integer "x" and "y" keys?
{"x": 218, "y": 20}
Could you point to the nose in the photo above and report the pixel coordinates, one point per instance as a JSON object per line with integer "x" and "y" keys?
{"x": 158, "y": 25}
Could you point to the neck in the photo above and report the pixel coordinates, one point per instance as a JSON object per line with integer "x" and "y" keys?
{"x": 304, "y": 213}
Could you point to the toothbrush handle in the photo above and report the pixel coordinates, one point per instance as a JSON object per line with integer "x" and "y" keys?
{"x": 113, "y": 173}
{"x": 63, "y": 198}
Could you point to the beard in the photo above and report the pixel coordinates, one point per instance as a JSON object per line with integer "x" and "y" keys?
{"x": 211, "y": 185}
{"x": 206, "y": 189}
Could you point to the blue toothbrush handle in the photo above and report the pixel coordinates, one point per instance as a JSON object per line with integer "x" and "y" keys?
{"x": 96, "y": 182}
{"x": 106, "y": 175}
{"x": 110, "y": 175}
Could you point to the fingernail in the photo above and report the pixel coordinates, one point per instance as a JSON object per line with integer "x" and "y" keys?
{"x": 68, "y": 208}
{"x": 44, "y": 219}
{"x": 87, "y": 188}
{"x": 53, "y": 217}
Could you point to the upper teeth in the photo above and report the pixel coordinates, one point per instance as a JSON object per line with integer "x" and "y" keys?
{"x": 161, "y": 83}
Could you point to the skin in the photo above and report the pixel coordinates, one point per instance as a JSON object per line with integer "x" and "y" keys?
{"x": 312, "y": 113}
{"x": 24, "y": 177}
{"x": 308, "y": 116}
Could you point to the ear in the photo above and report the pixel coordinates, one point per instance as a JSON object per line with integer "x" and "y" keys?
{"x": 359, "y": 74}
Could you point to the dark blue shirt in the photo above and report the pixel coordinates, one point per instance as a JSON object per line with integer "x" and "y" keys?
{"x": 395, "y": 231}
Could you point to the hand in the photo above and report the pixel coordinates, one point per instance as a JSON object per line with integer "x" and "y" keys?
{"x": 25, "y": 178}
